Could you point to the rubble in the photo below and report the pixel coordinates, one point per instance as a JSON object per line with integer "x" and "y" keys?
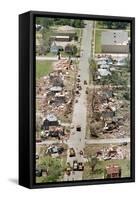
{"x": 105, "y": 105}
{"x": 116, "y": 152}
{"x": 55, "y": 97}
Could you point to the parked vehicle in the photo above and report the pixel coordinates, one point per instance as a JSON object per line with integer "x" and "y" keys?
{"x": 124, "y": 143}
{"x": 78, "y": 128}
{"x": 79, "y": 75}
{"x": 81, "y": 152}
{"x": 78, "y": 79}
{"x": 36, "y": 156}
{"x": 60, "y": 150}
{"x": 75, "y": 165}
{"x": 55, "y": 149}
{"x": 85, "y": 82}
{"x": 80, "y": 166}
{"x": 72, "y": 152}
{"x": 38, "y": 172}
{"x": 68, "y": 169}
{"x": 86, "y": 91}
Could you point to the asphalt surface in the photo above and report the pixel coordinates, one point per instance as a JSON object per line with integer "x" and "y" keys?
{"x": 91, "y": 141}
{"x": 108, "y": 141}
{"x": 77, "y": 139}
{"x": 54, "y": 58}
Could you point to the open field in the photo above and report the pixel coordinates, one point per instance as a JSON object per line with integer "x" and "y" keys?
{"x": 43, "y": 68}
{"x": 98, "y": 41}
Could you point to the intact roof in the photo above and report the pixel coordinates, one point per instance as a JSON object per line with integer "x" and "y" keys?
{"x": 114, "y": 37}
{"x": 60, "y": 36}
{"x": 66, "y": 28}
{"x": 62, "y": 44}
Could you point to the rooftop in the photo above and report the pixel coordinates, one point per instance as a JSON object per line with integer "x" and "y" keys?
{"x": 66, "y": 28}
{"x": 60, "y": 36}
{"x": 115, "y": 37}
{"x": 56, "y": 89}
{"x": 104, "y": 72}
{"x": 51, "y": 117}
{"x": 112, "y": 169}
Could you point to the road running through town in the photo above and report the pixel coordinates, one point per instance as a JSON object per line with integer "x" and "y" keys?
{"x": 77, "y": 139}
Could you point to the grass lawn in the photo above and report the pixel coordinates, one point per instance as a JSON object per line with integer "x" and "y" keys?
{"x": 43, "y": 68}
{"x": 99, "y": 169}
{"x": 100, "y": 25}
{"x": 98, "y": 41}
{"x": 44, "y": 179}
{"x": 56, "y": 165}
{"x": 63, "y": 54}
{"x": 50, "y": 54}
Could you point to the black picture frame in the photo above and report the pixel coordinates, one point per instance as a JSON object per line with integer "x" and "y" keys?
{"x": 27, "y": 99}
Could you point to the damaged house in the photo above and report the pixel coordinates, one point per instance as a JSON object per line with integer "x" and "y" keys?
{"x": 108, "y": 115}
{"x": 52, "y": 126}
{"x": 55, "y": 89}
{"x": 112, "y": 171}
{"x": 50, "y": 120}
{"x": 58, "y": 99}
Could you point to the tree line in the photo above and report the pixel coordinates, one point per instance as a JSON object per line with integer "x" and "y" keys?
{"x": 114, "y": 24}
{"x": 47, "y": 22}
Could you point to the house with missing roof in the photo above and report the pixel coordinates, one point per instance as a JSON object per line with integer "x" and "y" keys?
{"x": 52, "y": 126}
{"x": 112, "y": 171}
{"x": 50, "y": 120}
{"x": 115, "y": 41}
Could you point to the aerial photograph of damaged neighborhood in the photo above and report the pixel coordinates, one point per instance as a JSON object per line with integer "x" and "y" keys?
{"x": 82, "y": 99}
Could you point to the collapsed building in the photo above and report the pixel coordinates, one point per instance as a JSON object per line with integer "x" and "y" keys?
{"x": 104, "y": 113}
{"x": 54, "y": 98}
{"x": 52, "y": 127}
{"x": 50, "y": 120}
{"x": 112, "y": 171}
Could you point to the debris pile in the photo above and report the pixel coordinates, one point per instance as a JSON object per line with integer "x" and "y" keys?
{"x": 117, "y": 152}
{"x": 104, "y": 111}
{"x": 55, "y": 97}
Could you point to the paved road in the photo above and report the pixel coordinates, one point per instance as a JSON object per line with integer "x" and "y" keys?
{"x": 54, "y": 58}
{"x": 90, "y": 141}
{"x": 49, "y": 142}
{"x": 77, "y": 139}
{"x": 107, "y": 141}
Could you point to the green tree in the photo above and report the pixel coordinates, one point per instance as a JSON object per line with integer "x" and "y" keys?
{"x": 71, "y": 49}
{"x": 77, "y": 23}
{"x": 120, "y": 25}
{"x": 108, "y": 24}
{"x": 114, "y": 24}
{"x": 93, "y": 162}
{"x": 93, "y": 68}
{"x": 53, "y": 168}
